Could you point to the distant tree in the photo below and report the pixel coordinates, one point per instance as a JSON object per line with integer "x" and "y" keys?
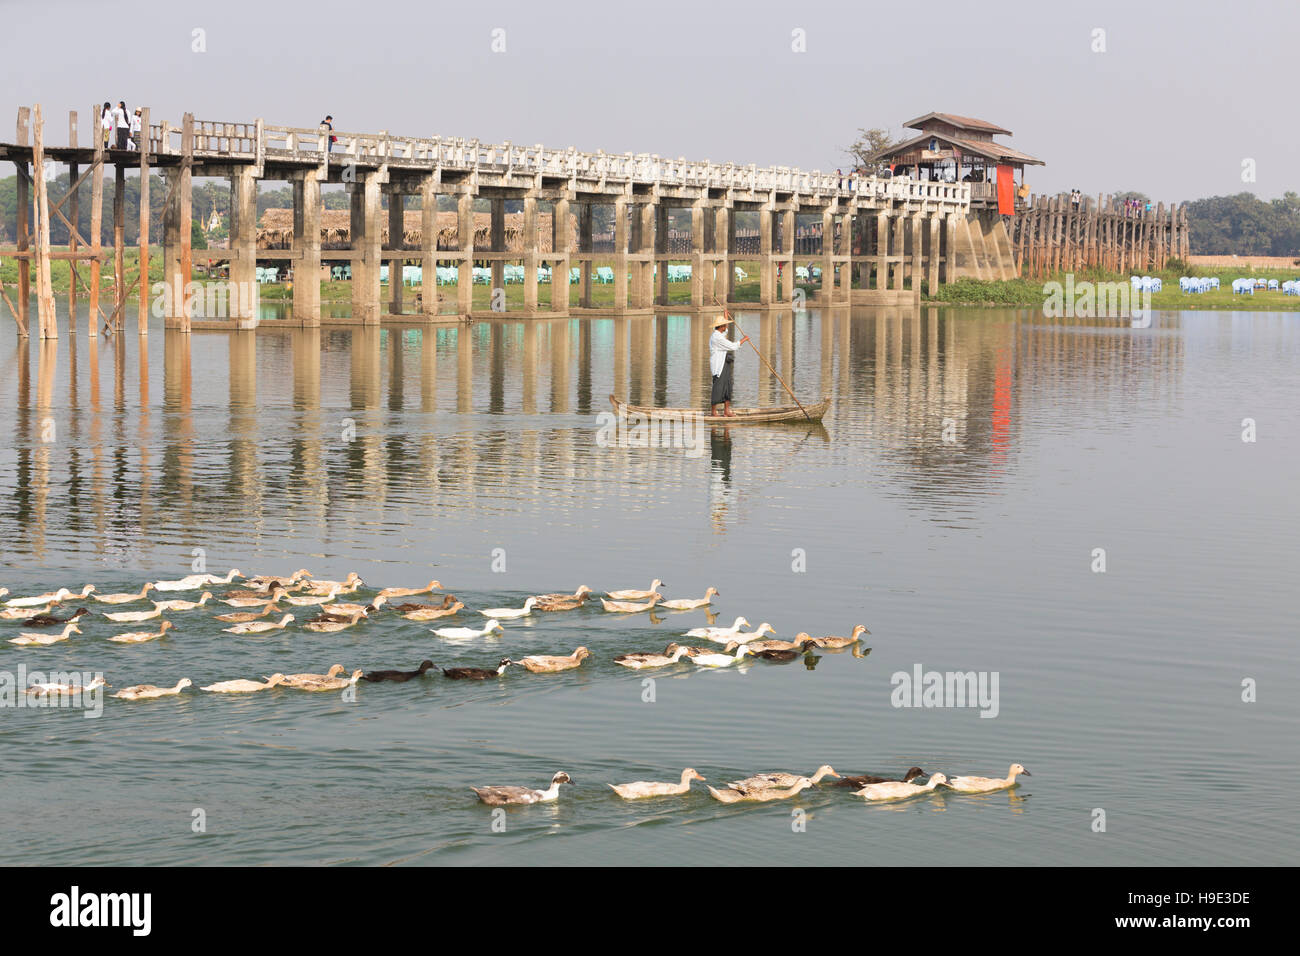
{"x": 868, "y": 143}
{"x": 1126, "y": 196}
{"x": 1245, "y": 225}
{"x": 197, "y": 239}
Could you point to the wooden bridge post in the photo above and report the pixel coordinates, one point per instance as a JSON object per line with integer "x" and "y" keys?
{"x": 119, "y": 246}
{"x": 243, "y": 244}
{"x": 96, "y": 223}
{"x": 530, "y": 249}
{"x": 561, "y": 230}
{"x": 367, "y": 239}
{"x": 428, "y": 248}
{"x": 22, "y": 242}
{"x": 306, "y": 247}
{"x": 142, "y": 240}
{"x": 48, "y": 321}
{"x": 185, "y": 210}
{"x": 74, "y": 171}
{"x": 465, "y": 232}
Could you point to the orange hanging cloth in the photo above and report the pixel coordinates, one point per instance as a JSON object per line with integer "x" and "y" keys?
{"x": 1006, "y": 191}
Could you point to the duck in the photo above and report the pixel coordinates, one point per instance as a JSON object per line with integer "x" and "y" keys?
{"x": 778, "y": 778}
{"x": 965, "y": 784}
{"x": 45, "y": 690}
{"x": 292, "y": 680}
{"x": 44, "y": 640}
{"x": 347, "y": 586}
{"x": 510, "y": 613}
{"x": 725, "y": 659}
{"x": 311, "y": 599}
{"x": 375, "y": 677}
{"x": 44, "y": 619}
{"x": 345, "y": 607}
{"x": 123, "y": 598}
{"x": 690, "y": 604}
{"x": 430, "y": 612}
{"x": 898, "y": 790}
{"x": 52, "y": 597}
{"x": 551, "y": 663}
{"x": 409, "y": 592}
{"x": 193, "y": 582}
{"x": 21, "y": 613}
{"x": 722, "y": 634}
{"x": 330, "y": 624}
{"x": 801, "y": 642}
{"x": 182, "y": 605}
{"x": 503, "y": 796}
{"x": 629, "y": 607}
{"x": 239, "y": 617}
{"x": 632, "y": 595}
{"x": 475, "y": 673}
{"x": 835, "y": 642}
{"x": 329, "y": 683}
{"x": 562, "y": 602}
{"x": 150, "y": 691}
{"x": 265, "y": 581}
{"x": 673, "y": 653}
{"x": 259, "y": 627}
{"x": 858, "y": 782}
{"x": 263, "y": 594}
{"x": 139, "y": 637}
{"x": 277, "y": 592}
{"x": 641, "y": 789}
{"x": 759, "y": 794}
{"x": 241, "y": 686}
{"x": 462, "y": 632}
{"x": 133, "y": 617}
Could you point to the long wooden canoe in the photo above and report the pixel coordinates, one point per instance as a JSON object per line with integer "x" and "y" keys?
{"x": 742, "y": 416}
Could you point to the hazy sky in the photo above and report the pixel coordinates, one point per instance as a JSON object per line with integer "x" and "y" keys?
{"x": 1182, "y": 95}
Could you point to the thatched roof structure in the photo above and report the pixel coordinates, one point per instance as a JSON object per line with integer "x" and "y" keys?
{"x": 275, "y": 230}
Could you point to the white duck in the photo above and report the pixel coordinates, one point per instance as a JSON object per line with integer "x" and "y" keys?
{"x": 965, "y": 784}
{"x": 241, "y": 686}
{"x": 780, "y": 778}
{"x": 466, "y": 632}
{"x": 44, "y": 690}
{"x": 329, "y": 683}
{"x": 347, "y": 586}
{"x": 139, "y": 637}
{"x": 43, "y": 640}
{"x": 51, "y": 597}
{"x": 308, "y": 600}
{"x": 182, "y": 605}
{"x": 898, "y": 790}
{"x": 410, "y": 592}
{"x": 500, "y": 796}
{"x": 630, "y": 607}
{"x": 720, "y": 634}
{"x": 345, "y": 607}
{"x": 193, "y": 582}
{"x": 759, "y": 794}
{"x": 133, "y": 617}
{"x": 510, "y": 613}
{"x": 150, "y": 691}
{"x": 641, "y": 789}
{"x": 123, "y": 598}
{"x": 259, "y": 627}
{"x": 631, "y": 595}
{"x": 642, "y": 660}
{"x": 23, "y": 613}
{"x": 690, "y": 604}
{"x": 731, "y": 653}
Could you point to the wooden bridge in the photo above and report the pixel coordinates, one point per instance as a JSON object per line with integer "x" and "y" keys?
{"x": 882, "y": 238}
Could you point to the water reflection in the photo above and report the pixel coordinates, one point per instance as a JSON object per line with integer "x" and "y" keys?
{"x": 498, "y": 416}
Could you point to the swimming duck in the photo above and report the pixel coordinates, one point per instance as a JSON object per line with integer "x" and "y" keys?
{"x": 149, "y": 691}
{"x": 865, "y": 779}
{"x": 275, "y": 594}
{"x": 241, "y": 686}
{"x": 53, "y": 597}
{"x": 45, "y": 690}
{"x": 312, "y": 599}
{"x": 347, "y": 586}
{"x": 398, "y": 676}
{"x": 123, "y": 598}
{"x": 408, "y": 592}
{"x": 430, "y": 612}
{"x": 834, "y": 642}
{"x": 629, "y": 607}
{"x": 182, "y": 605}
{"x": 964, "y": 784}
{"x": 637, "y": 595}
{"x": 345, "y": 607}
{"x": 49, "y": 620}
{"x": 133, "y": 617}
{"x": 641, "y": 789}
{"x": 328, "y": 683}
{"x": 139, "y": 637}
{"x": 21, "y": 613}
{"x": 640, "y": 661}
{"x": 272, "y": 589}
{"x": 293, "y": 680}
{"x": 44, "y": 640}
{"x": 725, "y": 659}
{"x": 502, "y": 796}
{"x": 330, "y": 624}
{"x": 462, "y": 632}
{"x": 778, "y": 778}
{"x": 553, "y": 663}
{"x": 193, "y": 582}
{"x": 259, "y": 627}
{"x": 760, "y": 794}
{"x": 801, "y": 642}
{"x": 510, "y": 613}
{"x": 240, "y": 616}
{"x": 722, "y": 634}
{"x": 562, "y": 602}
{"x": 690, "y": 604}
{"x": 898, "y": 790}
{"x": 476, "y": 673}
{"x": 265, "y": 581}
{"x": 780, "y": 657}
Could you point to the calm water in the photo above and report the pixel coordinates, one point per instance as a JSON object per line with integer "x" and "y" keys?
{"x": 1119, "y": 690}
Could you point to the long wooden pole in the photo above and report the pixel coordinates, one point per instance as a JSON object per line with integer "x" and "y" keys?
{"x": 47, "y": 320}
{"x": 96, "y": 220}
{"x": 764, "y": 360}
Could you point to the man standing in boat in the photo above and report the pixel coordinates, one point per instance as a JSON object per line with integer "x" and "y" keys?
{"x": 722, "y": 362}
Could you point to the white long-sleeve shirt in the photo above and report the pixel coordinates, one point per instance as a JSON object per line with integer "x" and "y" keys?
{"x": 719, "y": 346}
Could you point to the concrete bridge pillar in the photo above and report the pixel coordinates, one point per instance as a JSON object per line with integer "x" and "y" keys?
{"x": 932, "y": 260}
{"x": 243, "y": 237}
{"x": 560, "y": 267}
{"x": 585, "y": 266}
{"x": 465, "y": 236}
{"x": 699, "y": 292}
{"x": 725, "y": 279}
{"x": 530, "y": 254}
{"x": 767, "y": 265}
{"x": 661, "y": 249}
{"x": 882, "y": 250}
{"x": 620, "y": 252}
{"x": 918, "y": 258}
{"x": 641, "y": 295}
{"x": 898, "y": 248}
{"x": 948, "y": 269}
{"x": 306, "y": 247}
{"x": 497, "y": 239}
{"x": 828, "y": 255}
{"x": 396, "y": 239}
{"x": 429, "y": 246}
{"x": 367, "y": 240}
{"x": 789, "y": 229}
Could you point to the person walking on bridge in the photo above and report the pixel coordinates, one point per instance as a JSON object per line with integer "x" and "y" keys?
{"x": 722, "y": 363}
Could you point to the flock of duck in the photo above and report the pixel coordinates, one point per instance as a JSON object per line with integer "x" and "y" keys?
{"x": 262, "y": 597}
